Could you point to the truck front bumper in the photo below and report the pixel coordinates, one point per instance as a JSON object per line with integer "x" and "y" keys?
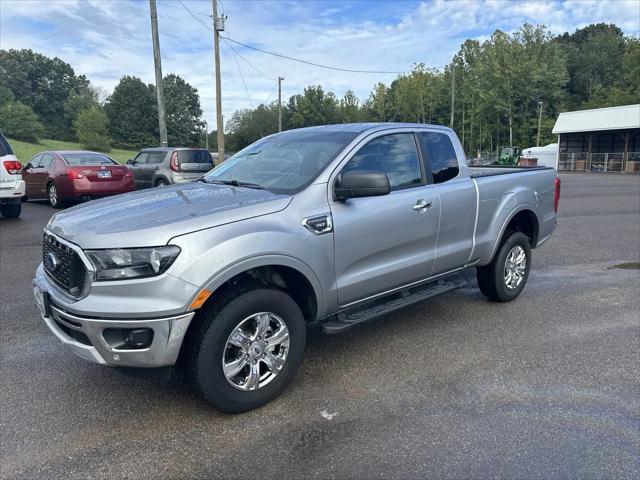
{"x": 103, "y": 341}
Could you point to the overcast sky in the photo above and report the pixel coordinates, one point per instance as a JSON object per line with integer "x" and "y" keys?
{"x": 106, "y": 39}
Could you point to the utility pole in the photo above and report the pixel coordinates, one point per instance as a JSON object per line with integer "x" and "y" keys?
{"x": 539, "y": 122}
{"x": 206, "y": 135}
{"x": 218, "y": 26}
{"x": 280, "y": 103}
{"x": 158, "y": 64}
{"x": 453, "y": 93}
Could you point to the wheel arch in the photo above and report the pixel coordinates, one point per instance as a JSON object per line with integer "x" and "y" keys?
{"x": 287, "y": 273}
{"x": 522, "y": 219}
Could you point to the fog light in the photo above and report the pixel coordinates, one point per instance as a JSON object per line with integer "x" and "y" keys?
{"x": 138, "y": 337}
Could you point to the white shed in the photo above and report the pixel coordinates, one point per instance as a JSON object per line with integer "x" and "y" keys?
{"x": 547, "y": 155}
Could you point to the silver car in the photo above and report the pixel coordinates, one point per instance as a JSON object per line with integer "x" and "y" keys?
{"x": 330, "y": 226}
{"x": 158, "y": 167}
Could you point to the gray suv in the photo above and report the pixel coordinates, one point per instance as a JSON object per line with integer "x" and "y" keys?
{"x": 158, "y": 167}
{"x": 328, "y": 226}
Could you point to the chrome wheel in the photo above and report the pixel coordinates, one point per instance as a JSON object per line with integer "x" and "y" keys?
{"x": 53, "y": 195}
{"x": 255, "y": 351}
{"x": 515, "y": 267}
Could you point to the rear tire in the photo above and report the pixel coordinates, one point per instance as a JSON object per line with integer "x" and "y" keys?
{"x": 161, "y": 183}
{"x": 55, "y": 199}
{"x": 505, "y": 277}
{"x": 12, "y": 210}
{"x": 24, "y": 199}
{"x": 241, "y": 313}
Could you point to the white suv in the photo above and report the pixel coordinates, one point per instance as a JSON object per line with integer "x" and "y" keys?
{"x": 11, "y": 184}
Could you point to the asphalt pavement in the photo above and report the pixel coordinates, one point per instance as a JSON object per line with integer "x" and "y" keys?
{"x": 454, "y": 387}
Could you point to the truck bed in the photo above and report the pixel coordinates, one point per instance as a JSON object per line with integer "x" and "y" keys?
{"x": 490, "y": 170}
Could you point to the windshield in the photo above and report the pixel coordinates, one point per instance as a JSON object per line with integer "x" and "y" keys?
{"x": 74, "y": 159}
{"x": 283, "y": 163}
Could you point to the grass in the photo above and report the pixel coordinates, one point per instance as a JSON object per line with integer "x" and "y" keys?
{"x": 25, "y": 151}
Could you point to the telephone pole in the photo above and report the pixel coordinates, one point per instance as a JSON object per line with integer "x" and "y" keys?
{"x": 453, "y": 93}
{"x": 158, "y": 64}
{"x": 280, "y": 103}
{"x": 539, "y": 122}
{"x": 218, "y": 26}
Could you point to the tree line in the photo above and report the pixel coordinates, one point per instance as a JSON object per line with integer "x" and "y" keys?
{"x": 500, "y": 86}
{"x": 41, "y": 97}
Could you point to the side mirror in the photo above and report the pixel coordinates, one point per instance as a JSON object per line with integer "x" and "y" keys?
{"x": 130, "y": 162}
{"x": 26, "y": 167}
{"x": 361, "y": 184}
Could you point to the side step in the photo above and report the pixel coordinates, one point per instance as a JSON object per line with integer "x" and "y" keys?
{"x": 381, "y": 306}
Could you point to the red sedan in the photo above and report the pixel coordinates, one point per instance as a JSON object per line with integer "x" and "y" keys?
{"x": 74, "y": 175}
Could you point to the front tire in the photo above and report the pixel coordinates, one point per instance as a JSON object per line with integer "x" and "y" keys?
{"x": 12, "y": 210}
{"x": 161, "y": 183}
{"x": 248, "y": 348}
{"x": 505, "y": 277}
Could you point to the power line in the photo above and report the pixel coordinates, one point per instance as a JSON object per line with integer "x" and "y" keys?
{"x": 202, "y": 14}
{"x": 249, "y": 63}
{"x": 194, "y": 17}
{"x": 306, "y": 61}
{"x": 242, "y": 77}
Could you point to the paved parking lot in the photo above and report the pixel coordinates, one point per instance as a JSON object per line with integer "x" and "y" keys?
{"x": 456, "y": 387}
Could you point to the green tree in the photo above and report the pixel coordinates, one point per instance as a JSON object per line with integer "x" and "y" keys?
{"x": 349, "y": 108}
{"x": 132, "y": 114}
{"x": 78, "y": 101}
{"x": 43, "y": 84}
{"x": 91, "y": 130}
{"x": 18, "y": 121}
{"x": 313, "y": 107}
{"x": 183, "y": 112}
{"x": 594, "y": 60}
{"x": 6, "y": 96}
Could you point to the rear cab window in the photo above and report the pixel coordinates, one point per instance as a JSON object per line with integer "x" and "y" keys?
{"x": 440, "y": 154}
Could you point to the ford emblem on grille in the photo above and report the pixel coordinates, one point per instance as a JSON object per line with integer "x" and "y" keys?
{"x": 51, "y": 261}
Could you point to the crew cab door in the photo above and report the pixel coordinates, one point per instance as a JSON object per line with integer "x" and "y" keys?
{"x": 385, "y": 242}
{"x": 457, "y": 194}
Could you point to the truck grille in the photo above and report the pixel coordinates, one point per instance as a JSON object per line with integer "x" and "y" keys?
{"x": 63, "y": 265}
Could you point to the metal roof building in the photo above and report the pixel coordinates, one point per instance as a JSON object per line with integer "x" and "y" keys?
{"x": 602, "y": 139}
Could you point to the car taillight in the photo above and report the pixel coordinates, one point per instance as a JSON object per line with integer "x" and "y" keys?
{"x": 556, "y": 200}
{"x": 174, "y": 162}
{"x": 13, "y": 167}
{"x": 74, "y": 174}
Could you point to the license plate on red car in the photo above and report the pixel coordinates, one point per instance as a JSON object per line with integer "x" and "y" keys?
{"x": 104, "y": 174}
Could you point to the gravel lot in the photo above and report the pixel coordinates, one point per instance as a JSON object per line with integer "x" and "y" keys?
{"x": 456, "y": 387}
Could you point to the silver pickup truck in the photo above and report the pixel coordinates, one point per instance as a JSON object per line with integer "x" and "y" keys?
{"x": 327, "y": 226}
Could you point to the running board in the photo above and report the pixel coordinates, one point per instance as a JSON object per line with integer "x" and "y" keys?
{"x": 363, "y": 313}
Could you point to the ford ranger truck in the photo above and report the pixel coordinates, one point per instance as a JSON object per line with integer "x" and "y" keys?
{"x": 329, "y": 226}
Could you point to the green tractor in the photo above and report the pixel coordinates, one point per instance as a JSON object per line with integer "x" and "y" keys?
{"x": 509, "y": 156}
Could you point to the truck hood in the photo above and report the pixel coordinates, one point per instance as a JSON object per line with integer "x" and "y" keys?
{"x": 152, "y": 217}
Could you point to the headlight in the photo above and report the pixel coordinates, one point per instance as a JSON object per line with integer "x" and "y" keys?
{"x": 123, "y": 263}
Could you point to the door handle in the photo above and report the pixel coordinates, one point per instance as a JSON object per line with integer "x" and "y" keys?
{"x": 421, "y": 205}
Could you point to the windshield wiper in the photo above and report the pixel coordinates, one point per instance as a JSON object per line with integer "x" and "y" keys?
{"x": 234, "y": 183}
